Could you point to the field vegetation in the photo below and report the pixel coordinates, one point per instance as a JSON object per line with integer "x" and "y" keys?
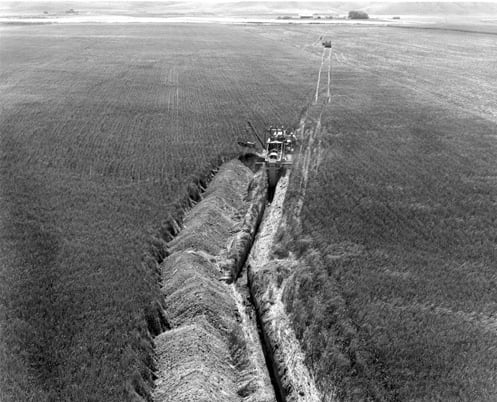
{"x": 396, "y": 298}
{"x": 102, "y": 127}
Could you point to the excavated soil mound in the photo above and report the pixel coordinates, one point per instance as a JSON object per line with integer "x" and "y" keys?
{"x": 207, "y": 354}
{"x": 193, "y": 289}
{"x": 196, "y": 365}
{"x": 210, "y": 224}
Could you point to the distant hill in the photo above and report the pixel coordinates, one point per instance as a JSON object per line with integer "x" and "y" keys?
{"x": 432, "y": 8}
{"x": 250, "y": 8}
{"x": 372, "y": 7}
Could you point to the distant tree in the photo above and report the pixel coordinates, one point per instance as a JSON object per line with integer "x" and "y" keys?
{"x": 358, "y": 15}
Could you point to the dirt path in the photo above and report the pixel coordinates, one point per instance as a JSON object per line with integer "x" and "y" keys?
{"x": 310, "y": 135}
{"x": 318, "y": 82}
{"x": 328, "y": 88}
{"x": 316, "y": 96}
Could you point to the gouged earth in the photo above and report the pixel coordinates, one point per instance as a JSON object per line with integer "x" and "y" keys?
{"x": 267, "y": 281}
{"x": 212, "y": 352}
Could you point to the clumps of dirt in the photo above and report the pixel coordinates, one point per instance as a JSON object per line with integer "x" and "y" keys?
{"x": 242, "y": 242}
{"x": 208, "y": 228}
{"x": 292, "y": 375}
{"x": 155, "y": 251}
{"x": 194, "y": 364}
{"x": 211, "y": 223}
{"x": 267, "y": 279}
{"x": 206, "y": 354}
{"x": 193, "y": 289}
{"x": 252, "y": 161}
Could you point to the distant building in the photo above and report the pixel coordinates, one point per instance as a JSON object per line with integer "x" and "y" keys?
{"x": 325, "y": 16}
{"x": 358, "y": 15}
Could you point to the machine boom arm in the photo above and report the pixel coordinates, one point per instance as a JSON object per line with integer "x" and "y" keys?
{"x": 256, "y": 135}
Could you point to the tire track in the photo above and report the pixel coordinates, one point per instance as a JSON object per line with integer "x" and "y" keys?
{"x": 319, "y": 76}
{"x": 324, "y": 59}
{"x": 287, "y": 356}
{"x": 328, "y": 89}
{"x": 309, "y": 132}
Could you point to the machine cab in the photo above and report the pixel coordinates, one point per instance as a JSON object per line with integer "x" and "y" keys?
{"x": 274, "y": 151}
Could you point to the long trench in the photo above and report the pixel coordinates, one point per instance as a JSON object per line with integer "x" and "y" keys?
{"x": 230, "y": 338}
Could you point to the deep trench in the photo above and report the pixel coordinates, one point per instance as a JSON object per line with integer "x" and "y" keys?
{"x": 265, "y": 345}
{"x": 270, "y": 195}
{"x": 279, "y": 391}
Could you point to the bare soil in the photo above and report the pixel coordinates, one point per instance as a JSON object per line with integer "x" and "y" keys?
{"x": 212, "y": 352}
{"x": 266, "y": 281}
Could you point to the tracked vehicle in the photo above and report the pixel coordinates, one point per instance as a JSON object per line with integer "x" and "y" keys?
{"x": 278, "y": 149}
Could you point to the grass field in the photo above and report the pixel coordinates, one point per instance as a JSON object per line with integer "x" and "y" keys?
{"x": 101, "y": 128}
{"x": 397, "y": 297}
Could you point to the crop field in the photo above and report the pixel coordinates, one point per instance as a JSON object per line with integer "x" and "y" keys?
{"x": 101, "y": 128}
{"x": 397, "y": 299}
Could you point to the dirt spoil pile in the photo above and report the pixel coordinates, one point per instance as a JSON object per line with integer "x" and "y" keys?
{"x": 205, "y": 355}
